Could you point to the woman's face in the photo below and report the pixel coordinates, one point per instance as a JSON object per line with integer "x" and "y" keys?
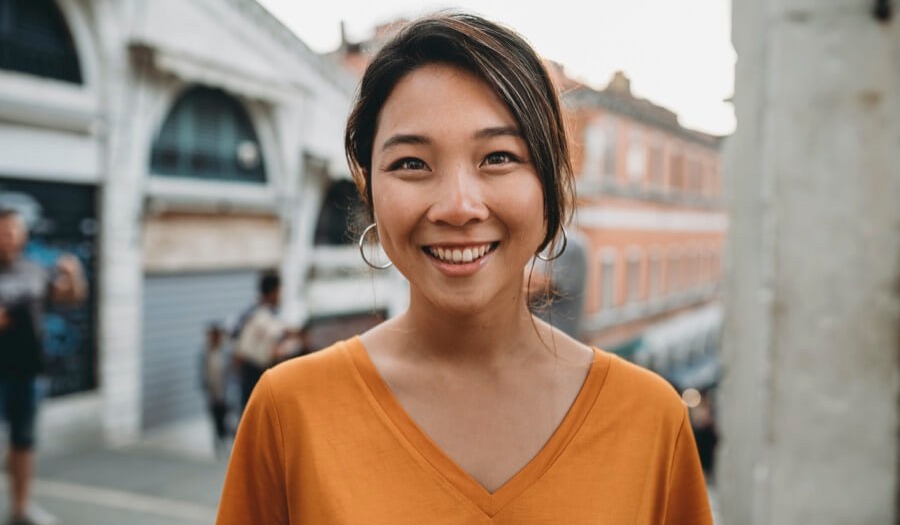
{"x": 458, "y": 204}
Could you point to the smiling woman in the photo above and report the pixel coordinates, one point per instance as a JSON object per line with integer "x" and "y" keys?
{"x": 454, "y": 193}
{"x": 465, "y": 408}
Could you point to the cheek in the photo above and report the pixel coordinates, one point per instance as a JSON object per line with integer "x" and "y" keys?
{"x": 391, "y": 207}
{"x": 381, "y": 200}
{"x": 525, "y": 203}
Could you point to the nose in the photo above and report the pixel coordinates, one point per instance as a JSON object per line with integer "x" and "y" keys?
{"x": 459, "y": 198}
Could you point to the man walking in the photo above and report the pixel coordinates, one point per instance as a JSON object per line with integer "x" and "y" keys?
{"x": 260, "y": 335}
{"x": 25, "y": 288}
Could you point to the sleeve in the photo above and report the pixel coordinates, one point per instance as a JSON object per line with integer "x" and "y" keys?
{"x": 255, "y": 489}
{"x": 687, "y": 500}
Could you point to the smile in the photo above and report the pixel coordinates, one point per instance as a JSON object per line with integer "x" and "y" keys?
{"x": 461, "y": 255}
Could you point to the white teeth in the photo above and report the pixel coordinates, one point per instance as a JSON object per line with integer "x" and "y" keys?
{"x": 457, "y": 255}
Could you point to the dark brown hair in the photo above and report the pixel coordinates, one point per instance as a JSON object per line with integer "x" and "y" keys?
{"x": 502, "y": 59}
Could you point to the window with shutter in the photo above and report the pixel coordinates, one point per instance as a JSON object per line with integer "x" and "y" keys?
{"x": 208, "y": 135}
{"x": 34, "y": 39}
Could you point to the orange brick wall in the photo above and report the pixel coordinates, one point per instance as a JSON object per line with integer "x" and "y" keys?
{"x": 688, "y": 185}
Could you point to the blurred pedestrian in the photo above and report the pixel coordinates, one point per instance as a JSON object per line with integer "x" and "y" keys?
{"x": 263, "y": 339}
{"x": 25, "y": 289}
{"x": 465, "y": 408}
{"x": 214, "y": 373}
{"x": 703, "y": 422}
{"x": 298, "y": 342}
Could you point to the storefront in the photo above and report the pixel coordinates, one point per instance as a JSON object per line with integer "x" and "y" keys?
{"x": 61, "y": 219}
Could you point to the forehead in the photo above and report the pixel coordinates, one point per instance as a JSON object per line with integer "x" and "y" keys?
{"x": 441, "y": 97}
{"x": 12, "y": 221}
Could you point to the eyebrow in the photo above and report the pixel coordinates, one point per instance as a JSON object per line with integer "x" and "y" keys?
{"x": 500, "y": 131}
{"x": 397, "y": 140}
{"x": 418, "y": 140}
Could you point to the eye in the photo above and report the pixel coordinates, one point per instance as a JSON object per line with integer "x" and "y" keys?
{"x": 408, "y": 164}
{"x": 499, "y": 158}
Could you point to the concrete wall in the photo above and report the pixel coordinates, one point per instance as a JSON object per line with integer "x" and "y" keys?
{"x": 809, "y": 405}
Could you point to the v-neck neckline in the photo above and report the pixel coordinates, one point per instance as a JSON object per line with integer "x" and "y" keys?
{"x": 489, "y": 502}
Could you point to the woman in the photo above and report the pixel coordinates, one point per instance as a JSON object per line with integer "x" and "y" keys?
{"x": 466, "y": 408}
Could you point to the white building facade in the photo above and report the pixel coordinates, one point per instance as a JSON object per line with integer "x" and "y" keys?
{"x": 178, "y": 147}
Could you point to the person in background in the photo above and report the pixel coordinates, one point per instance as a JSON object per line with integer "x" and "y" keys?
{"x": 703, "y": 422}
{"x": 214, "y": 373}
{"x": 465, "y": 408}
{"x": 25, "y": 290}
{"x": 263, "y": 339}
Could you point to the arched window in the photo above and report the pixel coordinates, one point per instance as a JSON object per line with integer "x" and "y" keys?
{"x": 34, "y": 39}
{"x": 595, "y": 140}
{"x": 655, "y": 279}
{"x": 674, "y": 274}
{"x": 208, "y": 135}
{"x": 656, "y": 161}
{"x": 636, "y": 161}
{"x": 633, "y": 277}
{"x": 337, "y": 214}
{"x": 609, "y": 150}
{"x": 608, "y": 280}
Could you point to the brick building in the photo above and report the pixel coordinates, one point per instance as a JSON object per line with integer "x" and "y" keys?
{"x": 650, "y": 211}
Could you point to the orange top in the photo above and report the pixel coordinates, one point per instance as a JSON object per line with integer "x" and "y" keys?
{"x": 323, "y": 441}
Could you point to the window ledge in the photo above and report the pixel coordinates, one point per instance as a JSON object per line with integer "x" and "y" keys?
{"x": 166, "y": 193}
{"x": 48, "y": 103}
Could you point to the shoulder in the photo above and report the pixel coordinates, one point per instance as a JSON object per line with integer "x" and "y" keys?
{"x": 638, "y": 377}
{"x": 325, "y": 369}
{"x": 642, "y": 392}
{"x": 256, "y": 314}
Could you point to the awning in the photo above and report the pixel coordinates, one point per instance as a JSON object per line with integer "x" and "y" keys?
{"x": 704, "y": 373}
{"x": 674, "y": 337}
{"x": 627, "y": 349}
{"x": 684, "y": 349}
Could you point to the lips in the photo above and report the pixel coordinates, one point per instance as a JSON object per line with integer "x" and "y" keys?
{"x": 460, "y": 254}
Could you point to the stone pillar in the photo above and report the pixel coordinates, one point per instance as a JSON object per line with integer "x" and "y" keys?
{"x": 120, "y": 285}
{"x": 809, "y": 403}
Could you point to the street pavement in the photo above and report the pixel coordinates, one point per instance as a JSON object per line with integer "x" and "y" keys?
{"x": 170, "y": 478}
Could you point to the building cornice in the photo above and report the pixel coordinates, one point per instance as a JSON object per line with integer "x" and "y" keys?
{"x": 329, "y": 69}
{"x": 638, "y": 109}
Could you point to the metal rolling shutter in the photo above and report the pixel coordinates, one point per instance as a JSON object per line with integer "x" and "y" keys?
{"x": 176, "y": 311}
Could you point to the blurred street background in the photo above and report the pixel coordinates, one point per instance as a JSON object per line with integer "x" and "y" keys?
{"x": 737, "y": 230}
{"x": 171, "y": 476}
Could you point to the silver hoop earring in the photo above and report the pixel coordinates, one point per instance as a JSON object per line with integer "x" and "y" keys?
{"x": 362, "y": 251}
{"x": 557, "y": 255}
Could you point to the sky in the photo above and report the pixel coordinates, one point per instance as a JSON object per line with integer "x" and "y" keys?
{"x": 677, "y": 54}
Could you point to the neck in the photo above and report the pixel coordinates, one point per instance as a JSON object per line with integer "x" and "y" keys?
{"x": 486, "y": 337}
